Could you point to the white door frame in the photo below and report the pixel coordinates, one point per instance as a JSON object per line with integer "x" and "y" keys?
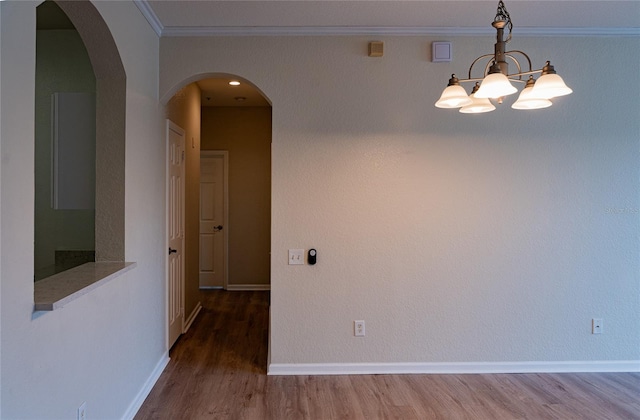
{"x": 171, "y": 126}
{"x": 225, "y": 193}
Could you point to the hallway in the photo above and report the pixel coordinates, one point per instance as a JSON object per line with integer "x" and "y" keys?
{"x": 223, "y": 356}
{"x": 218, "y": 371}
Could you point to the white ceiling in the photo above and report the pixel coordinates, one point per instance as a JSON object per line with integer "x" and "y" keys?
{"x": 218, "y": 92}
{"x": 377, "y": 17}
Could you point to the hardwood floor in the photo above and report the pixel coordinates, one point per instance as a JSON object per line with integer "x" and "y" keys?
{"x": 218, "y": 371}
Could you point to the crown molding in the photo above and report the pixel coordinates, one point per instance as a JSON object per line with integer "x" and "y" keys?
{"x": 387, "y": 30}
{"x": 150, "y": 15}
{"x": 186, "y": 31}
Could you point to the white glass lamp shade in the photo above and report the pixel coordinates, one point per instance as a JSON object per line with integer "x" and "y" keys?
{"x": 528, "y": 100}
{"x": 453, "y": 97}
{"x": 477, "y": 106}
{"x": 550, "y": 86}
{"x": 495, "y": 85}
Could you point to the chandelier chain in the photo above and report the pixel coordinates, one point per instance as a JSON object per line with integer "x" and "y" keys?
{"x": 503, "y": 16}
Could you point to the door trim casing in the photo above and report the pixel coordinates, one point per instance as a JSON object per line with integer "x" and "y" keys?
{"x": 171, "y": 126}
{"x": 225, "y": 193}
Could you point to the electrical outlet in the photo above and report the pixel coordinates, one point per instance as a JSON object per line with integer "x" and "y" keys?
{"x": 596, "y": 326}
{"x": 358, "y": 328}
{"x": 296, "y": 256}
{"x": 82, "y": 411}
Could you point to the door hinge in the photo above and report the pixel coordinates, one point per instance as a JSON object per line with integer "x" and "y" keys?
{"x": 183, "y": 155}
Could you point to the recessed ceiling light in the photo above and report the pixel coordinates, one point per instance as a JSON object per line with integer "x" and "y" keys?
{"x": 234, "y": 83}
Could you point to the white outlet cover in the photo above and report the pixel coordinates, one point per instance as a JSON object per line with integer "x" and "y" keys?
{"x": 596, "y": 326}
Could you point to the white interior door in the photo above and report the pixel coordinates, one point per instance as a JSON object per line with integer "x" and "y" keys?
{"x": 213, "y": 215}
{"x": 175, "y": 229}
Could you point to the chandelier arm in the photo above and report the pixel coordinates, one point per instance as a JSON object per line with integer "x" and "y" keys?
{"x": 523, "y": 73}
{"x": 521, "y": 53}
{"x": 480, "y": 79}
{"x": 488, "y": 66}
{"x": 507, "y": 54}
{"x": 519, "y": 80}
{"x": 478, "y": 59}
{"x": 475, "y": 79}
{"x": 515, "y": 77}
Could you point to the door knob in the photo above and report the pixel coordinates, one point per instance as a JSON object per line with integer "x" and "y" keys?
{"x": 172, "y": 251}
{"x": 217, "y": 228}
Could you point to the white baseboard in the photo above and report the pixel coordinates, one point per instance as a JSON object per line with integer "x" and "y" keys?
{"x": 248, "y": 287}
{"x": 452, "y": 368}
{"x": 146, "y": 389}
{"x": 192, "y": 317}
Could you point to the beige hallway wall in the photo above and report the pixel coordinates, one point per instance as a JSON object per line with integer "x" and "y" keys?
{"x": 246, "y": 133}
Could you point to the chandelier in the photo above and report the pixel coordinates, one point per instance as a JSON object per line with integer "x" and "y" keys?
{"x": 496, "y": 82}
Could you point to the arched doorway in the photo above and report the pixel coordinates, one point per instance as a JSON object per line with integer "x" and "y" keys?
{"x": 236, "y": 120}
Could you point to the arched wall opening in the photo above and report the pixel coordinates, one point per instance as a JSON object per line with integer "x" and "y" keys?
{"x": 95, "y": 48}
{"x": 110, "y": 127}
{"x": 241, "y": 127}
{"x": 64, "y": 208}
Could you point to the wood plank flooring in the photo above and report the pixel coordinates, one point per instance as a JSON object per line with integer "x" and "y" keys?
{"x": 218, "y": 371}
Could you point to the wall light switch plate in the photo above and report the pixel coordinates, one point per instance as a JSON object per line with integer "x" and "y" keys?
{"x": 296, "y": 256}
